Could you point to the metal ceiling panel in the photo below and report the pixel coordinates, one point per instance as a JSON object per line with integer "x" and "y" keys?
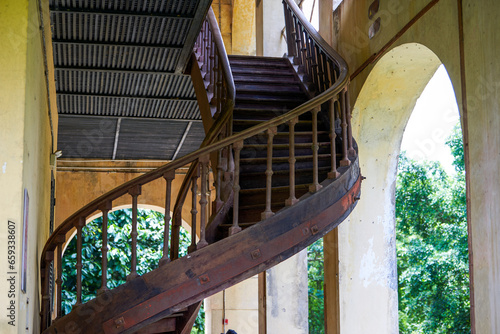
{"x": 126, "y": 57}
{"x": 86, "y": 137}
{"x": 148, "y": 139}
{"x": 124, "y": 84}
{"x": 178, "y": 7}
{"x": 72, "y": 26}
{"x": 127, "y": 107}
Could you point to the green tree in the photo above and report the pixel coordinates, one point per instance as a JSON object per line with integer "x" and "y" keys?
{"x": 432, "y": 245}
{"x": 150, "y": 225}
{"x": 315, "y": 273}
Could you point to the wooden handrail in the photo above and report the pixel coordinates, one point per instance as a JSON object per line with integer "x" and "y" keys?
{"x": 320, "y": 63}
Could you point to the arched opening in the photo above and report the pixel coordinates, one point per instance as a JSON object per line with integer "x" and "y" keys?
{"x": 367, "y": 251}
{"x": 431, "y": 216}
{"x": 150, "y": 241}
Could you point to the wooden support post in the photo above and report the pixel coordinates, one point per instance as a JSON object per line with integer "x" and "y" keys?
{"x": 291, "y": 161}
{"x": 169, "y": 177}
{"x": 79, "y": 227}
{"x": 46, "y": 314}
{"x": 315, "y": 186}
{"x": 204, "y": 160}
{"x": 60, "y": 239}
{"x": 194, "y": 210}
{"x": 104, "y": 249}
{"x": 236, "y": 187}
{"x": 331, "y": 108}
{"x": 269, "y": 173}
{"x": 134, "y": 192}
{"x": 262, "y": 292}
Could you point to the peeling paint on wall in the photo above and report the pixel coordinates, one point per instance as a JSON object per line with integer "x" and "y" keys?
{"x": 4, "y": 167}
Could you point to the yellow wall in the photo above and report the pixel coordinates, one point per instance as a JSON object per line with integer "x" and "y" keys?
{"x": 25, "y": 154}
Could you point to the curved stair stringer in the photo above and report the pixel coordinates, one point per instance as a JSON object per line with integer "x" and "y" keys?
{"x": 181, "y": 283}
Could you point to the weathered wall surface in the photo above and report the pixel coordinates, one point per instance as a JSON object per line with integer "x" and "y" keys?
{"x": 25, "y": 160}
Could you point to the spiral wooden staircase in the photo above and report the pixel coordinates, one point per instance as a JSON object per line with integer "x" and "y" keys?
{"x": 285, "y": 170}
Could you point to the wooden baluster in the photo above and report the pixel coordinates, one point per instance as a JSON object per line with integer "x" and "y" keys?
{"x": 236, "y": 187}
{"x": 345, "y": 159}
{"x": 169, "y": 177}
{"x": 315, "y": 186}
{"x": 327, "y": 74}
{"x": 134, "y": 192}
{"x": 46, "y": 314}
{"x": 79, "y": 266}
{"x": 104, "y": 249}
{"x": 291, "y": 161}
{"x": 289, "y": 35}
{"x": 298, "y": 41}
{"x": 313, "y": 64}
{"x": 269, "y": 173}
{"x": 331, "y": 108}
{"x": 60, "y": 239}
{"x": 194, "y": 211}
{"x": 218, "y": 202}
{"x": 204, "y": 160}
{"x": 351, "y": 150}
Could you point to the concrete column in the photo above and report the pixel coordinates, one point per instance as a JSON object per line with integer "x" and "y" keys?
{"x": 243, "y": 33}
{"x": 287, "y": 295}
{"x": 273, "y": 22}
{"x": 240, "y": 308}
{"x": 482, "y": 71}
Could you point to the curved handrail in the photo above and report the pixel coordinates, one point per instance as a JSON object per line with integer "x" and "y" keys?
{"x": 335, "y": 78}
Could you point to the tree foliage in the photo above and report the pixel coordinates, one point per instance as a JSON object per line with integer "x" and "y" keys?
{"x": 150, "y": 226}
{"x": 432, "y": 245}
{"x": 315, "y": 272}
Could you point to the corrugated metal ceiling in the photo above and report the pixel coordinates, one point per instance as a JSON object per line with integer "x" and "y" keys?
{"x": 118, "y": 59}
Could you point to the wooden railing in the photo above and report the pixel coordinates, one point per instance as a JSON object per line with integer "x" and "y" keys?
{"x": 219, "y": 153}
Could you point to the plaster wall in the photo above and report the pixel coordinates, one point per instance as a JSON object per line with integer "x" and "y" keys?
{"x": 25, "y": 159}
{"x": 241, "y": 309}
{"x": 80, "y": 182}
{"x": 363, "y": 246}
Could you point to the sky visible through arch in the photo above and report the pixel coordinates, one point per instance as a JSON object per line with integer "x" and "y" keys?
{"x": 431, "y": 122}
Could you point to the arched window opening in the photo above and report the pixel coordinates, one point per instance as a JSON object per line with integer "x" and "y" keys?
{"x": 431, "y": 219}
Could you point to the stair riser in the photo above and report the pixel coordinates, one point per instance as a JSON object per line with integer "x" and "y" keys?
{"x": 261, "y": 152}
{"x": 280, "y": 180}
{"x": 261, "y": 168}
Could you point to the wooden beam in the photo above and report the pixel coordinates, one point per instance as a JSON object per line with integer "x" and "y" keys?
{"x": 262, "y": 303}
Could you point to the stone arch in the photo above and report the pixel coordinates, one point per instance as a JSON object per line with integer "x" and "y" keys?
{"x": 367, "y": 251}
